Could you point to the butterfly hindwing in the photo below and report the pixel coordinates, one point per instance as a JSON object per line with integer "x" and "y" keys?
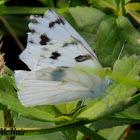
{"x": 54, "y": 85}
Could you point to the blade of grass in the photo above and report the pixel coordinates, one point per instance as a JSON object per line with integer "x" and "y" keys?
{"x": 51, "y": 3}
{"x": 13, "y": 10}
{"x": 11, "y": 31}
{"x": 90, "y": 134}
{"x": 122, "y": 6}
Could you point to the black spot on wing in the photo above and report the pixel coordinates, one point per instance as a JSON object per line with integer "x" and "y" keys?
{"x": 61, "y": 20}
{"x": 57, "y": 21}
{"x": 70, "y": 43}
{"x": 49, "y": 9}
{"x": 31, "y": 41}
{"x": 51, "y": 24}
{"x": 58, "y": 74}
{"x": 33, "y": 20}
{"x": 82, "y": 58}
{"x": 32, "y": 31}
{"x": 44, "y": 39}
{"x": 65, "y": 67}
{"x": 55, "y": 55}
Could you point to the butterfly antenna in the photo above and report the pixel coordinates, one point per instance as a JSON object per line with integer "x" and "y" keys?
{"x": 120, "y": 53}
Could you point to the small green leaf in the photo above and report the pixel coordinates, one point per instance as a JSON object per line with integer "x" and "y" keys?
{"x": 64, "y": 9}
{"x": 106, "y": 5}
{"x": 14, "y": 10}
{"x": 74, "y": 3}
{"x": 133, "y": 9}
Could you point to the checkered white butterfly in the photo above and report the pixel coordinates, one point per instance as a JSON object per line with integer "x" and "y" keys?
{"x": 58, "y": 58}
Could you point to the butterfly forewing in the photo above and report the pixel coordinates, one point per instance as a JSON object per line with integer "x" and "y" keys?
{"x": 52, "y": 27}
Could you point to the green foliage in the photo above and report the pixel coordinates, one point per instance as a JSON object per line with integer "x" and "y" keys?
{"x": 97, "y": 109}
{"x": 110, "y": 133}
{"x": 133, "y": 9}
{"x": 115, "y": 30}
{"x": 105, "y": 25}
{"x": 86, "y": 21}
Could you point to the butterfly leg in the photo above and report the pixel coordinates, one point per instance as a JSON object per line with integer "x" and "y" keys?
{"x": 79, "y": 107}
{"x": 113, "y": 97}
{"x": 71, "y": 116}
{"x": 104, "y": 97}
{"x": 83, "y": 102}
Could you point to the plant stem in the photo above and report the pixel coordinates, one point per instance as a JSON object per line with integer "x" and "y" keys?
{"x": 51, "y": 3}
{"x": 90, "y": 134}
{"x": 11, "y": 31}
{"x": 122, "y": 6}
{"x": 8, "y": 122}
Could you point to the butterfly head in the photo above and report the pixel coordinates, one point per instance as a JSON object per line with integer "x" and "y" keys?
{"x": 107, "y": 83}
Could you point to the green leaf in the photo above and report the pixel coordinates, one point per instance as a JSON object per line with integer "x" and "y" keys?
{"x": 90, "y": 134}
{"x": 70, "y": 133}
{"x": 62, "y": 3}
{"x": 111, "y": 36}
{"x": 14, "y": 10}
{"x": 24, "y": 123}
{"x": 98, "y": 108}
{"x": 103, "y": 124}
{"x": 65, "y": 8}
{"x": 29, "y": 112}
{"x": 86, "y": 21}
{"x": 133, "y": 9}
{"x": 45, "y": 2}
{"x": 114, "y": 133}
{"x": 132, "y": 112}
{"x": 106, "y": 5}
{"x": 1, "y": 119}
{"x": 2, "y": 4}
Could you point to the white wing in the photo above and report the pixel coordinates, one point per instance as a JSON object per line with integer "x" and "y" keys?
{"x": 52, "y": 27}
{"x": 55, "y": 85}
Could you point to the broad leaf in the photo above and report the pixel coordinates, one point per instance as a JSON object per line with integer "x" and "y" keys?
{"x": 114, "y": 133}
{"x": 106, "y": 5}
{"x": 111, "y": 36}
{"x": 86, "y": 22}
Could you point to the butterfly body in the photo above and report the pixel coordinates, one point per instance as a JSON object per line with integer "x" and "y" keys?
{"x": 59, "y": 60}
